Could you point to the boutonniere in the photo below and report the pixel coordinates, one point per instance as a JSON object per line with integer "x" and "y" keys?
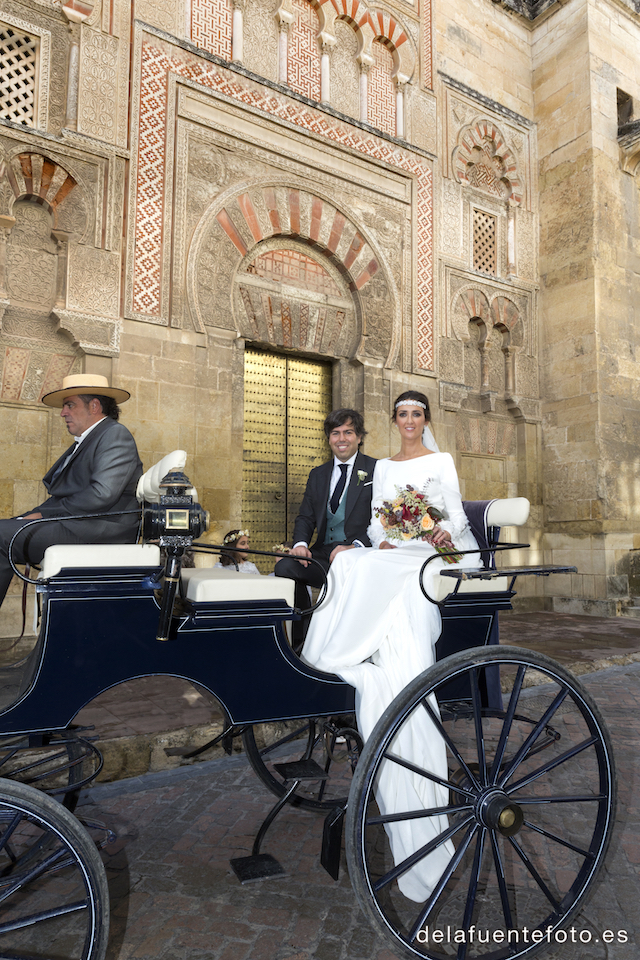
{"x": 362, "y": 475}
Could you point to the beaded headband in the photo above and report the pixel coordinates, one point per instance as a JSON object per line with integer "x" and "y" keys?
{"x": 411, "y": 403}
{"x": 232, "y": 537}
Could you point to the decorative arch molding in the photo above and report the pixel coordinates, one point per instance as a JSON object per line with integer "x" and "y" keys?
{"x": 48, "y": 181}
{"x": 281, "y": 214}
{"x": 369, "y": 24}
{"x": 475, "y": 306}
{"x": 483, "y": 160}
{"x": 30, "y": 184}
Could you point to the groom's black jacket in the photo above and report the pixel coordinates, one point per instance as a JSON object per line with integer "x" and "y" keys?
{"x": 313, "y": 510}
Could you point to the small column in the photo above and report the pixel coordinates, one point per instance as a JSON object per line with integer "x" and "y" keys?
{"x": 365, "y": 66}
{"x": 76, "y": 12}
{"x": 325, "y": 71}
{"x": 71, "y": 119}
{"x": 237, "y": 35}
{"x": 62, "y": 238}
{"x": 284, "y": 19}
{"x": 6, "y": 226}
{"x": 511, "y": 238}
{"x": 400, "y": 109}
{"x": 509, "y": 371}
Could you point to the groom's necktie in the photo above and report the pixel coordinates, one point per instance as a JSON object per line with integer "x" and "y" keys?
{"x": 334, "y": 503}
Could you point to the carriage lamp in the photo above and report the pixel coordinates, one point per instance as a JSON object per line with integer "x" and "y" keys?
{"x": 174, "y": 522}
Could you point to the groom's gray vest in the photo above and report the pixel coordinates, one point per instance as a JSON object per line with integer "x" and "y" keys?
{"x": 335, "y": 522}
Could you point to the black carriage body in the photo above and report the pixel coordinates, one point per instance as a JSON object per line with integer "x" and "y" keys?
{"x": 99, "y": 629}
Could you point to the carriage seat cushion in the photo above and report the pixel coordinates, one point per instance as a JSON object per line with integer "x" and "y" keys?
{"x": 210, "y": 584}
{"x": 95, "y": 555}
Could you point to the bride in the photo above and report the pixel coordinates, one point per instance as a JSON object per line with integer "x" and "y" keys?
{"x": 377, "y": 631}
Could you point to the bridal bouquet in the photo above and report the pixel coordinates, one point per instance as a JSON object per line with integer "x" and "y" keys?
{"x": 409, "y": 516}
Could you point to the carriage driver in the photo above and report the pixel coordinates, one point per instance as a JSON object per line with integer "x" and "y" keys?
{"x": 97, "y": 474}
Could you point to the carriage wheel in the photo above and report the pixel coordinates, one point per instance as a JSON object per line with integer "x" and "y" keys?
{"x": 54, "y": 899}
{"x": 60, "y": 767}
{"x": 332, "y": 741}
{"x": 507, "y": 812}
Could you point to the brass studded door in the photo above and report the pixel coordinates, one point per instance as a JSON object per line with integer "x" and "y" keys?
{"x": 285, "y": 403}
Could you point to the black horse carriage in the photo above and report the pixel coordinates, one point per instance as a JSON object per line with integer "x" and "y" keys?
{"x": 527, "y": 790}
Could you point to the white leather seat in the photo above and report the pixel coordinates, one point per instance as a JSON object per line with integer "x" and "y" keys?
{"x": 80, "y": 555}
{"x": 511, "y": 512}
{"x": 207, "y": 585}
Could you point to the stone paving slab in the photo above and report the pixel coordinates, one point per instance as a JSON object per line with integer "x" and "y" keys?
{"x": 174, "y": 896}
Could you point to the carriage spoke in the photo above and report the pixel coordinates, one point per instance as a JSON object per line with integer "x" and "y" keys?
{"x": 429, "y": 776}
{"x": 34, "y": 873}
{"x": 534, "y": 873}
{"x": 420, "y": 854}
{"x": 508, "y": 721}
{"x": 416, "y": 814}
{"x": 265, "y": 751}
{"x": 556, "y": 762}
{"x": 565, "y": 843}
{"x": 502, "y": 883}
{"x": 443, "y": 881}
{"x": 6, "y": 836}
{"x": 43, "y": 915}
{"x": 449, "y": 742}
{"x": 533, "y": 736}
{"x": 588, "y": 798}
{"x": 473, "y": 889}
{"x": 477, "y": 720}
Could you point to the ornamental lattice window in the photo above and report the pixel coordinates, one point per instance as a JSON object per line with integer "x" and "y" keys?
{"x": 484, "y": 242}
{"x": 18, "y": 65}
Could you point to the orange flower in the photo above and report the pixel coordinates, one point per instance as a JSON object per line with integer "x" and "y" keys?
{"x": 428, "y": 523}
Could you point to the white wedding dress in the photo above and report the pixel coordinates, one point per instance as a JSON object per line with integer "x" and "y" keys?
{"x": 377, "y": 631}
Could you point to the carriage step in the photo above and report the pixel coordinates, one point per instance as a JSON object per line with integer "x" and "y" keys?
{"x": 301, "y": 770}
{"x": 260, "y": 866}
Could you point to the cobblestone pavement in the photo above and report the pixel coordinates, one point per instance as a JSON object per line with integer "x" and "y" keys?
{"x": 173, "y": 895}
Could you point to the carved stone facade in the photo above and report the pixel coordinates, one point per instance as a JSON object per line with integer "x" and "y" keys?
{"x": 364, "y": 183}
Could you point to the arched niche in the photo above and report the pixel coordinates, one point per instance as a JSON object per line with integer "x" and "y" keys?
{"x": 252, "y": 233}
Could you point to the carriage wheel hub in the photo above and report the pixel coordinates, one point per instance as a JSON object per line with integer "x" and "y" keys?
{"x": 497, "y": 811}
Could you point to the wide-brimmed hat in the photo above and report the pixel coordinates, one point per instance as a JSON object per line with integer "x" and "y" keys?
{"x": 78, "y": 383}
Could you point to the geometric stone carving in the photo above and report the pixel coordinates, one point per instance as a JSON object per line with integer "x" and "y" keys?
{"x": 32, "y": 253}
{"x": 98, "y": 85}
{"x": 345, "y": 73}
{"x": 493, "y": 437}
{"x": 484, "y": 161}
{"x": 381, "y": 105}
{"x": 94, "y": 281}
{"x": 291, "y": 299}
{"x": 303, "y": 51}
{"x": 99, "y": 336}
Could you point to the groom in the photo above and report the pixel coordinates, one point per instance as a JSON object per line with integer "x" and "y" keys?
{"x": 336, "y": 503}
